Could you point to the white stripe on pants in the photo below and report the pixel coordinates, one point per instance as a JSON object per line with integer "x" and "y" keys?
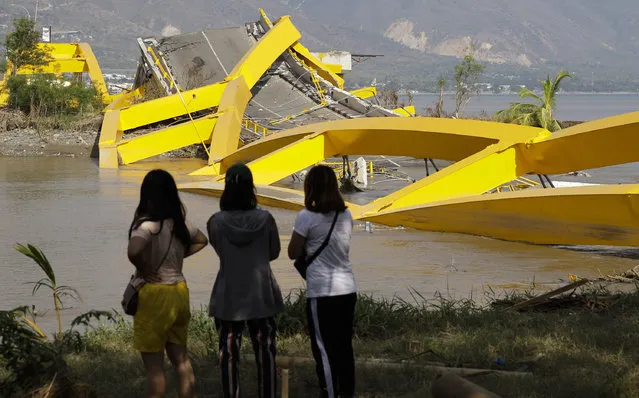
{"x": 320, "y": 344}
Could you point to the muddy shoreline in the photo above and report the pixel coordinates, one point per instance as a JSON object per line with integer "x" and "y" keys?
{"x": 30, "y": 142}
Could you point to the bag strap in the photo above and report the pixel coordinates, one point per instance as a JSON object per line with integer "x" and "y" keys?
{"x": 165, "y": 254}
{"x": 325, "y": 243}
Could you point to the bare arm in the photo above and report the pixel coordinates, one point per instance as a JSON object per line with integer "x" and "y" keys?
{"x": 198, "y": 243}
{"x": 135, "y": 251}
{"x": 296, "y": 246}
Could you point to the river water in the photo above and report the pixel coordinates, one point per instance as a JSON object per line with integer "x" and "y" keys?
{"x": 79, "y": 216}
{"x": 569, "y": 106}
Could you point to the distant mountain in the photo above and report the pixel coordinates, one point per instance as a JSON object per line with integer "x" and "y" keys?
{"x": 419, "y": 38}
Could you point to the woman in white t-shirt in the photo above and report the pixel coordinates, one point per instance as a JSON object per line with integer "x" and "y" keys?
{"x": 331, "y": 293}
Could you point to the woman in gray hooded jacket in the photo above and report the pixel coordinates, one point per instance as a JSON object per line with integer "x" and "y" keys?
{"x": 245, "y": 291}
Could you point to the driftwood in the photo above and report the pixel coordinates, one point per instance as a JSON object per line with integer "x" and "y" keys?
{"x": 286, "y": 362}
{"x": 629, "y": 276}
{"x": 547, "y": 296}
{"x": 450, "y": 385}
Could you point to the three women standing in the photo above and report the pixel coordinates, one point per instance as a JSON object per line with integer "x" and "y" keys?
{"x": 245, "y": 291}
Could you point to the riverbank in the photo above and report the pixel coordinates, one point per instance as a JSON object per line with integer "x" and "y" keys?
{"x": 48, "y": 136}
{"x": 73, "y": 136}
{"x": 580, "y": 349}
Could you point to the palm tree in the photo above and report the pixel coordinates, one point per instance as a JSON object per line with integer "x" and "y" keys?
{"x": 57, "y": 291}
{"x": 536, "y": 115}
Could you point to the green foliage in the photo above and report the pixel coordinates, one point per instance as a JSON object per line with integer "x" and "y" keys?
{"x": 536, "y": 115}
{"x": 49, "y": 281}
{"x": 467, "y": 74}
{"x": 44, "y": 95}
{"x": 22, "y": 45}
{"x": 24, "y": 350}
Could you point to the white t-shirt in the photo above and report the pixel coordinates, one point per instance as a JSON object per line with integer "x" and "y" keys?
{"x": 331, "y": 273}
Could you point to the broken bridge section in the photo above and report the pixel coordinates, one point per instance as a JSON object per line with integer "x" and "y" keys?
{"x": 287, "y": 87}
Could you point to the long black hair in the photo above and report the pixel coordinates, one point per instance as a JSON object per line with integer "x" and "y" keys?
{"x": 239, "y": 191}
{"x": 321, "y": 192}
{"x": 159, "y": 200}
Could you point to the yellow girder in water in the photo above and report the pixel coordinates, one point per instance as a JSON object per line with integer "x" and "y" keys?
{"x": 590, "y": 215}
{"x": 486, "y": 155}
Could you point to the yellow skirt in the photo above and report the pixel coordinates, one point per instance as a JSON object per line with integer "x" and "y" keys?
{"x": 162, "y": 317}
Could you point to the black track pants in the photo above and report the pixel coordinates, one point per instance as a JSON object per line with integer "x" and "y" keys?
{"x": 262, "y": 333}
{"x": 330, "y": 322}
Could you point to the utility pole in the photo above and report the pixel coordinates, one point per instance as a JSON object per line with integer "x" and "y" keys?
{"x": 35, "y": 20}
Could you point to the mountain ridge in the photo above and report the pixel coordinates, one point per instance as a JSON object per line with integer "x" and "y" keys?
{"x": 419, "y": 38}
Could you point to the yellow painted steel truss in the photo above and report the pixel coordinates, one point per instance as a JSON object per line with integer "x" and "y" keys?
{"x": 464, "y": 197}
{"x": 455, "y": 199}
{"x": 66, "y": 58}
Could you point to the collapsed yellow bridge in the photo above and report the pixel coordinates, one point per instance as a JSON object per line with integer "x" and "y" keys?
{"x": 255, "y": 94}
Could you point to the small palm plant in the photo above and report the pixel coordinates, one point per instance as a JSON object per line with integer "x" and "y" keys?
{"x": 58, "y": 292}
{"x": 536, "y": 115}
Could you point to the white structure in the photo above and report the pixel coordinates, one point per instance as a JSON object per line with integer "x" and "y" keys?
{"x": 342, "y": 58}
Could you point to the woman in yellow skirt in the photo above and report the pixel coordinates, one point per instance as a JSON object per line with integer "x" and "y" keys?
{"x": 160, "y": 238}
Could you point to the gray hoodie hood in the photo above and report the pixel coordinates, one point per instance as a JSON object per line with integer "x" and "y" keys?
{"x": 242, "y": 227}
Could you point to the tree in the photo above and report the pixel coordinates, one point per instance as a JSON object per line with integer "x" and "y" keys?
{"x": 49, "y": 281}
{"x": 441, "y": 83}
{"x": 536, "y": 115}
{"x": 467, "y": 74}
{"x": 22, "y": 45}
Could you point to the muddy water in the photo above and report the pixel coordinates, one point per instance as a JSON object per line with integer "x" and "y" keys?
{"x": 79, "y": 215}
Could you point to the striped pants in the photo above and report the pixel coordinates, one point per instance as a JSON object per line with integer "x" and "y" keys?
{"x": 330, "y": 323}
{"x": 262, "y": 333}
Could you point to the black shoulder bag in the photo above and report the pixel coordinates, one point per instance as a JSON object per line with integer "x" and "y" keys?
{"x": 302, "y": 263}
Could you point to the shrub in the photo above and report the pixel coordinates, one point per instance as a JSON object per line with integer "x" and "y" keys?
{"x": 44, "y": 95}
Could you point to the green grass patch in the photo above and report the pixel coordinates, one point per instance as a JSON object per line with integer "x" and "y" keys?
{"x": 570, "y": 351}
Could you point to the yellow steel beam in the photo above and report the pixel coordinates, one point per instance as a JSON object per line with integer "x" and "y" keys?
{"x": 322, "y": 69}
{"x": 231, "y": 99}
{"x": 265, "y": 51}
{"x": 60, "y": 65}
{"x": 165, "y": 140}
{"x": 418, "y": 137}
{"x": 474, "y": 175}
{"x": 71, "y": 58}
{"x": 600, "y": 143}
{"x": 237, "y": 94}
{"x": 171, "y": 106}
{"x": 365, "y": 92}
{"x": 296, "y": 156}
{"x": 225, "y": 136}
{"x": 592, "y": 215}
{"x": 327, "y": 72}
{"x": 407, "y": 111}
{"x": 93, "y": 68}
{"x": 110, "y": 136}
{"x": 60, "y": 50}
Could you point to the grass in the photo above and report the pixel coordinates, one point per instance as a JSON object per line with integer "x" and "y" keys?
{"x": 571, "y": 351}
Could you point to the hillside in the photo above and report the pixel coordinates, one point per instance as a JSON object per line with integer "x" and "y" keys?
{"x": 419, "y": 38}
